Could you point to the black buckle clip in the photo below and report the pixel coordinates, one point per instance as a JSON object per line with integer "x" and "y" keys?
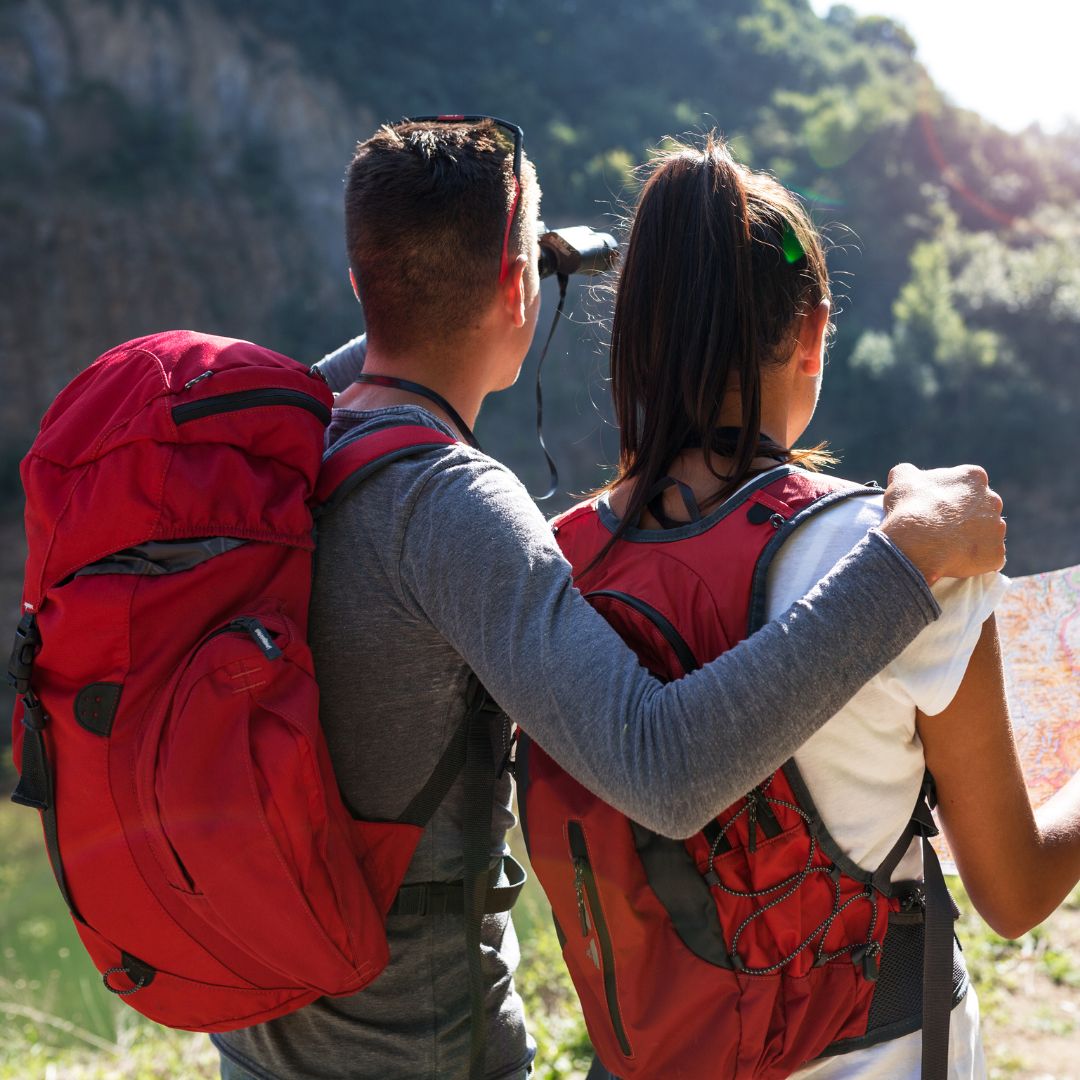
{"x": 868, "y": 957}
{"x": 922, "y": 820}
{"x": 27, "y": 643}
{"x": 509, "y": 760}
{"x": 33, "y": 717}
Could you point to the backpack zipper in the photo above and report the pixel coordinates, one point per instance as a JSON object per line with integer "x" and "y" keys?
{"x": 588, "y": 899}
{"x": 249, "y": 399}
{"x": 683, "y": 653}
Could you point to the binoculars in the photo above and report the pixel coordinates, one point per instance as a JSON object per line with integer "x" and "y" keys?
{"x": 575, "y": 250}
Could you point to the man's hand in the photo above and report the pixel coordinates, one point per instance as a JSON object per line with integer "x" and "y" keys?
{"x": 946, "y": 521}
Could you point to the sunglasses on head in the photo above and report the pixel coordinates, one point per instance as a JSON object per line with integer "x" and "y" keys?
{"x": 519, "y": 138}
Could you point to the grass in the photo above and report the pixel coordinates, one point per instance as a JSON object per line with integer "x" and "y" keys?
{"x": 60, "y": 1024}
{"x": 1029, "y": 991}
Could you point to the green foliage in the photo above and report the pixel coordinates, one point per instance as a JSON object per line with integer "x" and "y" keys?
{"x": 563, "y": 1047}
{"x": 954, "y": 258}
{"x": 979, "y": 364}
{"x": 1003, "y": 970}
{"x": 932, "y": 340}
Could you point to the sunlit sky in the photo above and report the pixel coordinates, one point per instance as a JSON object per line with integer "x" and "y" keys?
{"x": 1015, "y": 62}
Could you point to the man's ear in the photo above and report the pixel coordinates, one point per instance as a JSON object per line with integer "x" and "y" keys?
{"x": 813, "y": 332}
{"x": 512, "y": 290}
{"x": 352, "y": 282}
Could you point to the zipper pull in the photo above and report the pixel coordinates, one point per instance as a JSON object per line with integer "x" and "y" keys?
{"x": 509, "y": 758}
{"x": 579, "y": 888}
{"x": 198, "y": 379}
{"x": 260, "y": 635}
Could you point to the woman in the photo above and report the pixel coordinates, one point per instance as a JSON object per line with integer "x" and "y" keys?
{"x": 718, "y": 339}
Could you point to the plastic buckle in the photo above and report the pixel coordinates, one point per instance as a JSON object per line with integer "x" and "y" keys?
{"x": 33, "y": 717}
{"x": 868, "y": 958}
{"x": 27, "y": 642}
{"x": 922, "y": 820}
{"x": 509, "y": 760}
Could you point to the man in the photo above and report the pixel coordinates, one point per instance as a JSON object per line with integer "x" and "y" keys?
{"x": 439, "y": 569}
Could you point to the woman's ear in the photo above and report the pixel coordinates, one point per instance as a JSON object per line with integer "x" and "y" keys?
{"x": 813, "y": 333}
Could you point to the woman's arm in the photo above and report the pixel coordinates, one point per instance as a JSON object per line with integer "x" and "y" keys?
{"x": 1016, "y": 865}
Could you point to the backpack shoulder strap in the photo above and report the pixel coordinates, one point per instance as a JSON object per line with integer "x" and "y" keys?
{"x": 937, "y": 946}
{"x": 827, "y": 491}
{"x": 352, "y": 460}
{"x": 479, "y": 892}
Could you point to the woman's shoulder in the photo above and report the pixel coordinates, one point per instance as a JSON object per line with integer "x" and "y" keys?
{"x": 839, "y": 518}
{"x": 821, "y": 538}
{"x": 578, "y": 514}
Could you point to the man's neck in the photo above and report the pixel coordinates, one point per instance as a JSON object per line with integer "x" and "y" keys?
{"x": 462, "y": 386}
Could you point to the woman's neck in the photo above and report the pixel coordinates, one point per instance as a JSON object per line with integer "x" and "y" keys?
{"x": 702, "y": 474}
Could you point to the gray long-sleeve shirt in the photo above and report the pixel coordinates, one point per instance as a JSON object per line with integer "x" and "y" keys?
{"x": 441, "y": 564}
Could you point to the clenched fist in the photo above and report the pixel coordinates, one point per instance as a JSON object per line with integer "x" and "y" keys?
{"x": 946, "y": 521}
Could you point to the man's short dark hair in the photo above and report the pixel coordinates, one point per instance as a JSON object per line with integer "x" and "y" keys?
{"x": 425, "y": 216}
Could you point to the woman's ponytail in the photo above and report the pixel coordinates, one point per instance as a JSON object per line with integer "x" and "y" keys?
{"x": 721, "y": 262}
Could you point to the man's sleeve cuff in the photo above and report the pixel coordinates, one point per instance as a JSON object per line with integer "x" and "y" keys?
{"x": 907, "y": 574}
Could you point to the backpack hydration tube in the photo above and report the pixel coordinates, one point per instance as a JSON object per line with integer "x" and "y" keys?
{"x": 167, "y": 720}
{"x": 756, "y": 945}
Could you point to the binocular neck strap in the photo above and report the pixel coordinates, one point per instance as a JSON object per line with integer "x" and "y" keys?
{"x": 422, "y": 391}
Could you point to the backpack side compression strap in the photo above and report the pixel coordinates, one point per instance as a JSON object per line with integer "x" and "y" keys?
{"x": 937, "y": 955}
{"x": 476, "y": 844}
{"x": 36, "y": 788}
{"x": 448, "y": 897}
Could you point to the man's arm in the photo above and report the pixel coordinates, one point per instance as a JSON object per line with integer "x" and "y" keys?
{"x": 479, "y": 562}
{"x": 341, "y": 367}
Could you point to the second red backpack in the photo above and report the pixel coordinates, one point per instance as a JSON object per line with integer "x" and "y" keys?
{"x": 755, "y": 945}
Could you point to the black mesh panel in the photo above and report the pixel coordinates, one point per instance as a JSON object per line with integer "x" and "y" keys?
{"x": 896, "y": 1008}
{"x": 898, "y": 995}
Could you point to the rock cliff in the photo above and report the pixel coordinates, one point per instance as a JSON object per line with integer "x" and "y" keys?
{"x": 160, "y": 166}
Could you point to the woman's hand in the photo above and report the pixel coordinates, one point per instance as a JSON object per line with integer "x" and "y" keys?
{"x": 946, "y": 521}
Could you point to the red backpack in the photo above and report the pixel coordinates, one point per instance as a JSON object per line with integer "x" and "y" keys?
{"x": 167, "y": 725}
{"x": 756, "y": 945}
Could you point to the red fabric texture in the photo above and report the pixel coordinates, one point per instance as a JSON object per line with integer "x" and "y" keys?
{"x": 204, "y": 834}
{"x": 682, "y": 1015}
